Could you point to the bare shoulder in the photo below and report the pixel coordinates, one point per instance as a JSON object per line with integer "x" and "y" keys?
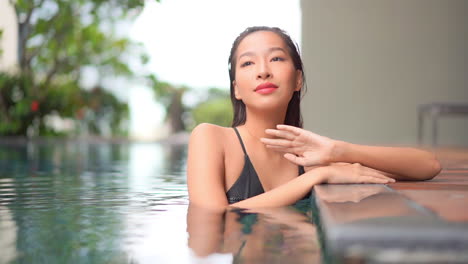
{"x": 212, "y": 136}
{"x": 207, "y": 129}
{"x": 205, "y": 165}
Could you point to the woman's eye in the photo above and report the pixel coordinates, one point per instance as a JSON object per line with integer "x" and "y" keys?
{"x": 277, "y": 59}
{"x": 247, "y": 63}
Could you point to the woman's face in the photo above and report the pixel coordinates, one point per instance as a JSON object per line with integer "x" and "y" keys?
{"x": 265, "y": 74}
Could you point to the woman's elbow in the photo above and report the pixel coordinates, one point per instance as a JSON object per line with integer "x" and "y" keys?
{"x": 426, "y": 171}
{"x": 435, "y": 168}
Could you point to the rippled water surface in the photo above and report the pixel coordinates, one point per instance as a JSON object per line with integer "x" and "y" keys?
{"x": 79, "y": 202}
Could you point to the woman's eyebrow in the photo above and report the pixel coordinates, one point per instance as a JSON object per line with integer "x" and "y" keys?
{"x": 248, "y": 53}
{"x": 270, "y": 50}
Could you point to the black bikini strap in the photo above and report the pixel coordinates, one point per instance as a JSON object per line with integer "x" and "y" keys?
{"x": 301, "y": 170}
{"x": 240, "y": 139}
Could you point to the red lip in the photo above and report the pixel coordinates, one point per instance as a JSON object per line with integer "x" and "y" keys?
{"x": 266, "y": 85}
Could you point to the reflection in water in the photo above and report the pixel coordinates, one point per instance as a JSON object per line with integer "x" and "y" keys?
{"x": 342, "y": 193}
{"x": 7, "y": 236}
{"x": 76, "y": 202}
{"x": 277, "y": 235}
{"x": 354, "y": 203}
{"x": 145, "y": 160}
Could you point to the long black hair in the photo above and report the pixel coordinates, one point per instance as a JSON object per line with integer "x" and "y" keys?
{"x": 293, "y": 113}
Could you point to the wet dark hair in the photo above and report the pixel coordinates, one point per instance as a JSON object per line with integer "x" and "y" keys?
{"x": 293, "y": 113}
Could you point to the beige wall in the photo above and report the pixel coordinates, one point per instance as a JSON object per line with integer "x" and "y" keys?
{"x": 370, "y": 63}
{"x": 9, "y": 40}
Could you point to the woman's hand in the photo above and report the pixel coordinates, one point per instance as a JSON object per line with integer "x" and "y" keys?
{"x": 352, "y": 173}
{"x": 302, "y": 147}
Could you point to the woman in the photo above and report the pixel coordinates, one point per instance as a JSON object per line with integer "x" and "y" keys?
{"x": 244, "y": 166}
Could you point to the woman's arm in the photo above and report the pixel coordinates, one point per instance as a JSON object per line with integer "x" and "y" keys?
{"x": 205, "y": 176}
{"x": 286, "y": 194}
{"x": 404, "y": 163}
{"x": 297, "y": 188}
{"x": 308, "y": 149}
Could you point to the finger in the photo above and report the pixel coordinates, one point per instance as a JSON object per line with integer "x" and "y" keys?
{"x": 295, "y": 159}
{"x": 379, "y": 175}
{"x": 376, "y": 173}
{"x": 382, "y": 177}
{"x": 371, "y": 179}
{"x": 277, "y": 142}
{"x": 280, "y": 134}
{"x": 295, "y": 130}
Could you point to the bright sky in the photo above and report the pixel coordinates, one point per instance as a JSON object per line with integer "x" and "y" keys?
{"x": 189, "y": 42}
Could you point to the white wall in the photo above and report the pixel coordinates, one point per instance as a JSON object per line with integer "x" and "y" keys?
{"x": 370, "y": 63}
{"x": 9, "y": 39}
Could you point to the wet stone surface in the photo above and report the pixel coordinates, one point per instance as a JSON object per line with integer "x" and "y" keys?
{"x": 404, "y": 222}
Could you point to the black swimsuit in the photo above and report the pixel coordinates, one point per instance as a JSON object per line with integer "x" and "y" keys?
{"x": 248, "y": 184}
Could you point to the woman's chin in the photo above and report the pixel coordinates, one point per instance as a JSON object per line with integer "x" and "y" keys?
{"x": 269, "y": 106}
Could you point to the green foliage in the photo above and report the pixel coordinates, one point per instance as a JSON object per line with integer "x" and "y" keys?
{"x": 170, "y": 97}
{"x": 20, "y": 108}
{"x": 104, "y": 106}
{"x": 58, "y": 40}
{"x": 60, "y": 37}
{"x": 216, "y": 109}
{"x": 214, "y": 105}
{"x": 15, "y": 102}
{"x": 163, "y": 91}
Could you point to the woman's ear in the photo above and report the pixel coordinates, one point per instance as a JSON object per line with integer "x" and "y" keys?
{"x": 299, "y": 80}
{"x": 236, "y": 91}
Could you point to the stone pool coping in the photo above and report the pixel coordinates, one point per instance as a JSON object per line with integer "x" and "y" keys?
{"x": 403, "y": 222}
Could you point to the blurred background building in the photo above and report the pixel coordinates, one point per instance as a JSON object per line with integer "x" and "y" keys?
{"x": 9, "y": 37}
{"x": 371, "y": 63}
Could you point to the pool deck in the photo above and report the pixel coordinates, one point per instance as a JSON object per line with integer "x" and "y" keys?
{"x": 403, "y": 222}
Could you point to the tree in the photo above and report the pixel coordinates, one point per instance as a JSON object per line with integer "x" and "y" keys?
{"x": 170, "y": 97}
{"x": 216, "y": 108}
{"x": 58, "y": 40}
{"x": 213, "y": 106}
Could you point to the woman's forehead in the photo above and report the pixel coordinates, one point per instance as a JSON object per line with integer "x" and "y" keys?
{"x": 261, "y": 41}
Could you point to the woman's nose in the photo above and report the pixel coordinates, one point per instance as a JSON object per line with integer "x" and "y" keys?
{"x": 263, "y": 75}
{"x": 263, "y": 71}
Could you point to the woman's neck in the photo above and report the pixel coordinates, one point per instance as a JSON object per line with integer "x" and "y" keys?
{"x": 258, "y": 121}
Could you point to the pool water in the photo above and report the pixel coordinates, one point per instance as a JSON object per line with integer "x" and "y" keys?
{"x": 82, "y": 202}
